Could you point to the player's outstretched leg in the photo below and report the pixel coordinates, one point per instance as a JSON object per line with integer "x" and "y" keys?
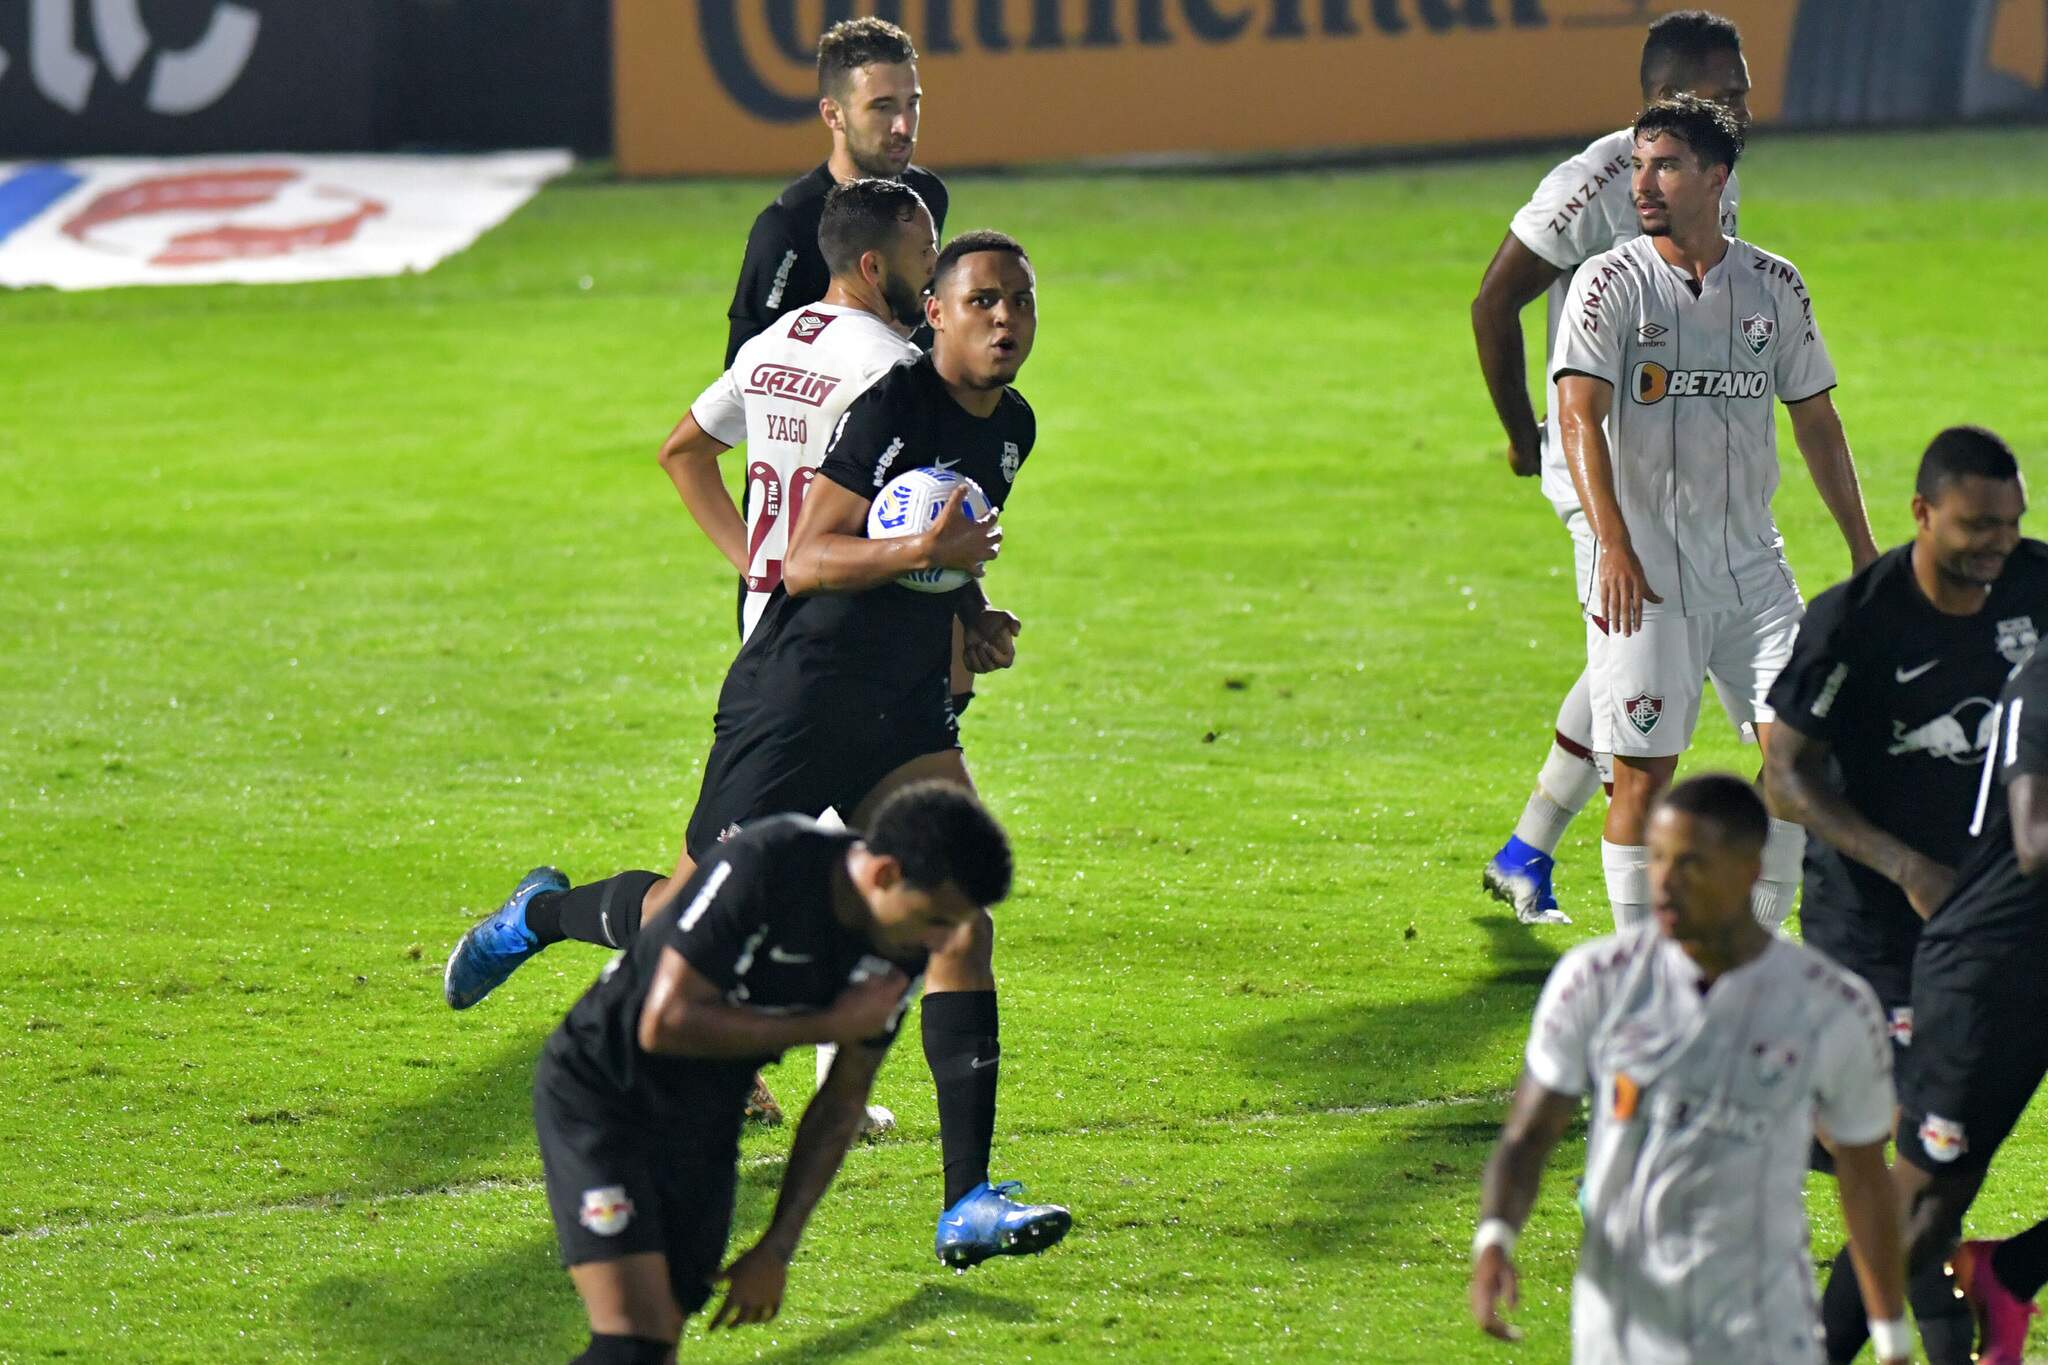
{"x": 2000, "y": 1280}
{"x": 496, "y": 944}
{"x": 543, "y": 909}
{"x": 1520, "y": 873}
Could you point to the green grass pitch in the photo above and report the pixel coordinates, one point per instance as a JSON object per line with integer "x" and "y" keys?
{"x": 330, "y": 610}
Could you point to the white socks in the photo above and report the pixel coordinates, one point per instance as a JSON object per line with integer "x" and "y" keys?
{"x": 1770, "y": 900}
{"x": 1567, "y": 781}
{"x": 826, "y": 1052}
{"x": 1628, "y": 882}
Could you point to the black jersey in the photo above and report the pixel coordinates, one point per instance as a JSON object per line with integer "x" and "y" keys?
{"x": 888, "y": 641}
{"x": 756, "y": 919}
{"x": 1994, "y": 905}
{"x": 783, "y": 268}
{"x": 1902, "y": 694}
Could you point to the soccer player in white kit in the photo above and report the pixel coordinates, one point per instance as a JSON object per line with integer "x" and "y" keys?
{"x": 1668, "y": 358}
{"x": 1581, "y": 208}
{"x": 1710, "y": 1051}
{"x": 789, "y": 384}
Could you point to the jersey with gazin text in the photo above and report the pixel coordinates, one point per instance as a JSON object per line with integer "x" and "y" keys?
{"x": 783, "y": 396}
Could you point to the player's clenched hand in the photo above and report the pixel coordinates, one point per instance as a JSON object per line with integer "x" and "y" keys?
{"x": 957, "y": 541}
{"x": 754, "y": 1285}
{"x": 989, "y": 641}
{"x": 1926, "y": 883}
{"x": 1525, "y": 459}
{"x": 863, "y": 1009}
{"x": 1494, "y": 1286}
{"x": 1621, "y": 587}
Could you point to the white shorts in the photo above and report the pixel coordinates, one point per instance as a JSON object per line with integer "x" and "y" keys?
{"x": 1574, "y": 518}
{"x": 1646, "y": 687}
{"x": 1662, "y": 1326}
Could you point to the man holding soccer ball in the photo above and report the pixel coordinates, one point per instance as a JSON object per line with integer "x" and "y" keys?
{"x": 842, "y": 694}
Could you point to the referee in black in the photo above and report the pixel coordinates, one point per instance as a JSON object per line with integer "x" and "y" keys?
{"x": 868, "y": 97}
{"x": 788, "y": 934}
{"x": 1886, "y": 707}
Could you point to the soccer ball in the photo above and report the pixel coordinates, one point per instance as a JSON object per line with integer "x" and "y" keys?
{"x": 909, "y": 506}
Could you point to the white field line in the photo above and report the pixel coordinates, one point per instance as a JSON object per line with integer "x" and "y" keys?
{"x": 315, "y": 1203}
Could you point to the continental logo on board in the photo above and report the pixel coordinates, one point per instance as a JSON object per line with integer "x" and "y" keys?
{"x": 1653, "y": 383}
{"x": 729, "y": 86}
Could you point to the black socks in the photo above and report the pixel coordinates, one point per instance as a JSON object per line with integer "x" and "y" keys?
{"x": 606, "y": 1349}
{"x": 2022, "y": 1263}
{"x": 1947, "y": 1330}
{"x": 606, "y": 913}
{"x": 961, "y": 1049}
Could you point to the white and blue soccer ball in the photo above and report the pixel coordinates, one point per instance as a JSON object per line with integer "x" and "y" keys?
{"x": 909, "y": 506}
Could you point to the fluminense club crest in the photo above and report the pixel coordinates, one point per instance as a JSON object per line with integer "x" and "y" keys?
{"x": 1644, "y": 711}
{"x": 2017, "y": 638}
{"x": 1757, "y": 330}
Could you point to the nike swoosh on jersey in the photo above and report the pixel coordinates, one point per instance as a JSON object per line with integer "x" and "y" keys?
{"x": 775, "y": 954}
{"x": 1906, "y": 675}
{"x": 945, "y": 464}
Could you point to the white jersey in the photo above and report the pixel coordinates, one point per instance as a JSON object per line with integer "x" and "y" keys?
{"x": 1580, "y": 209}
{"x": 786, "y": 391}
{"x": 1691, "y": 431}
{"x": 1703, "y": 1108}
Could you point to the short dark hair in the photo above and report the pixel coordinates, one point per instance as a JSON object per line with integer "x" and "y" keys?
{"x": 851, "y": 44}
{"x": 1962, "y": 452}
{"x": 1711, "y": 131}
{"x": 940, "y": 833}
{"x": 1681, "y": 41}
{"x": 1732, "y": 804}
{"x": 862, "y": 216}
{"x": 970, "y": 243}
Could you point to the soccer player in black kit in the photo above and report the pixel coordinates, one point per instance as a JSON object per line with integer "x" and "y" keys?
{"x": 842, "y": 695}
{"x": 787, "y": 934}
{"x": 1887, "y": 706}
{"x": 868, "y": 97}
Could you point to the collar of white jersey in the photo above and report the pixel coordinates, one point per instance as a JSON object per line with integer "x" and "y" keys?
{"x": 1710, "y": 281}
{"x": 1689, "y": 971}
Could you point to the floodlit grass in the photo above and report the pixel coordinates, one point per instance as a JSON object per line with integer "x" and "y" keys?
{"x": 332, "y": 609}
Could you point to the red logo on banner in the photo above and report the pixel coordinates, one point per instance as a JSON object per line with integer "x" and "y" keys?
{"x": 223, "y": 192}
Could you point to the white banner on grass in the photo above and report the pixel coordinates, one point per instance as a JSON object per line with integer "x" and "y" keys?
{"x": 98, "y": 223}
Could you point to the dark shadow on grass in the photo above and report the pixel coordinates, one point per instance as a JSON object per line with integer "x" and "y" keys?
{"x": 884, "y": 1325}
{"x": 1403, "y": 1049}
{"x": 470, "y": 1122}
{"x": 1394, "y": 1053}
{"x": 509, "y": 1306}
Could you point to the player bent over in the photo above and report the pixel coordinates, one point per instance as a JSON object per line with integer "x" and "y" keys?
{"x": 789, "y": 933}
{"x": 1581, "y": 208}
{"x": 1707, "y": 1048}
{"x": 1979, "y": 1046}
{"x": 1666, "y": 364}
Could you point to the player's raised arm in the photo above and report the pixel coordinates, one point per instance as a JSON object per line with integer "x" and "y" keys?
{"x": 690, "y": 458}
{"x": 1514, "y": 279}
{"x": 1825, "y": 447}
{"x": 686, "y": 1015}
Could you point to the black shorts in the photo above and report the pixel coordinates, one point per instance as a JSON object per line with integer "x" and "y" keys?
{"x": 1886, "y": 967}
{"x": 617, "y": 1188}
{"x": 1980, "y": 1047}
{"x": 777, "y": 751}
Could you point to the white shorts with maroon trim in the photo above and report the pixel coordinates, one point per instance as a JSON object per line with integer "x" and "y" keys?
{"x": 1646, "y": 687}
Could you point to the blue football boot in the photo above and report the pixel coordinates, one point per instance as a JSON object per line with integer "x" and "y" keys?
{"x": 1519, "y": 875}
{"x": 987, "y": 1222}
{"x": 495, "y": 945}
